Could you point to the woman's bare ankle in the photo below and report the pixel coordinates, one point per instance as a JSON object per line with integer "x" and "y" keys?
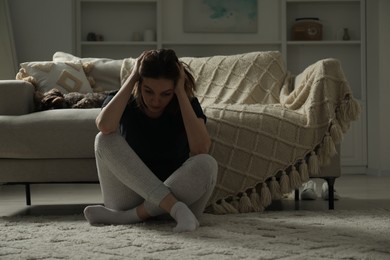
{"x": 141, "y": 212}
{"x": 167, "y": 202}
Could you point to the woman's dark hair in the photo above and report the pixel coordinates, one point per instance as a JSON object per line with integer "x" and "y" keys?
{"x": 163, "y": 63}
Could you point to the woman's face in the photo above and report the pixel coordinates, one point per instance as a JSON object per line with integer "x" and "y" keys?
{"x": 156, "y": 94}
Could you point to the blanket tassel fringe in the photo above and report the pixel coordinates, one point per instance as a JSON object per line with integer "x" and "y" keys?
{"x": 245, "y": 204}
{"x": 274, "y": 189}
{"x": 255, "y": 200}
{"x": 303, "y": 171}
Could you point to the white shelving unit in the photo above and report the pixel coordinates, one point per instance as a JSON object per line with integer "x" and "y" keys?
{"x": 335, "y": 15}
{"x": 118, "y": 20}
{"x": 166, "y": 19}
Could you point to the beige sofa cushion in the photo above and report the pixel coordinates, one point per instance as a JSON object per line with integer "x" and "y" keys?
{"x": 63, "y": 133}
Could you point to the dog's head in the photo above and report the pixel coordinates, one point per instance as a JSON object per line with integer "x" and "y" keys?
{"x": 53, "y": 99}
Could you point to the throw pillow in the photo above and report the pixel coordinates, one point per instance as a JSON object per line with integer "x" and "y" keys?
{"x": 104, "y": 72}
{"x": 65, "y": 76}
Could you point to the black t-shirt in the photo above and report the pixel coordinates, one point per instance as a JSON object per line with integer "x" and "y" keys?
{"x": 161, "y": 142}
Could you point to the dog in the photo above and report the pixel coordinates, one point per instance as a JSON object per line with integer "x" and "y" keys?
{"x": 55, "y": 99}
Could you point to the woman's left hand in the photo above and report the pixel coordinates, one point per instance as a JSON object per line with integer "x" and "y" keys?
{"x": 197, "y": 135}
{"x": 180, "y": 85}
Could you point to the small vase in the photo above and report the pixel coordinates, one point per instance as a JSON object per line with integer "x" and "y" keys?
{"x": 346, "y": 36}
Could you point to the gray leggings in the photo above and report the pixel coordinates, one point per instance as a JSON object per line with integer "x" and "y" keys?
{"x": 127, "y": 182}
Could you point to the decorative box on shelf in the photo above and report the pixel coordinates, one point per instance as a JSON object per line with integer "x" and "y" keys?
{"x": 307, "y": 29}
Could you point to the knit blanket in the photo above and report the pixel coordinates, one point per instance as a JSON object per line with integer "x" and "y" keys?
{"x": 270, "y": 130}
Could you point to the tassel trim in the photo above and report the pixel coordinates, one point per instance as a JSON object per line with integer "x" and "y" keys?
{"x": 329, "y": 146}
{"x": 256, "y": 203}
{"x": 274, "y": 188}
{"x": 336, "y": 132}
{"x": 228, "y": 207}
{"x": 284, "y": 183}
{"x": 303, "y": 171}
{"x": 295, "y": 179}
{"x": 266, "y": 197}
{"x": 313, "y": 164}
{"x": 350, "y": 109}
{"x": 245, "y": 205}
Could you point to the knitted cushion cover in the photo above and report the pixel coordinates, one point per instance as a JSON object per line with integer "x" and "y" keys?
{"x": 102, "y": 73}
{"x": 66, "y": 76}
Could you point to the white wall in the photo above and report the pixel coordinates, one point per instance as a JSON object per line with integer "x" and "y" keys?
{"x": 384, "y": 84}
{"x": 41, "y": 27}
{"x": 268, "y": 13}
{"x": 8, "y": 61}
{"x": 378, "y": 86}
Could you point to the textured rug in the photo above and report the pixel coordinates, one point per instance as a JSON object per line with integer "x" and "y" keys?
{"x": 338, "y": 234}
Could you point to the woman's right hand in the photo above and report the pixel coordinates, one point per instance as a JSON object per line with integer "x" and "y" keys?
{"x": 135, "y": 71}
{"x": 109, "y": 118}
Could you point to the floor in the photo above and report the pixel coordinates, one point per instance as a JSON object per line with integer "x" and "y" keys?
{"x": 356, "y": 191}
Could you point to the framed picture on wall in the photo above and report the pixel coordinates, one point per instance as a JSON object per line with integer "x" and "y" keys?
{"x": 215, "y": 16}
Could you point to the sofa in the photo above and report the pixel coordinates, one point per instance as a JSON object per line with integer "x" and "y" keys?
{"x": 271, "y": 130}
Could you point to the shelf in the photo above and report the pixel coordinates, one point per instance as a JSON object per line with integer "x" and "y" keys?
{"x": 120, "y": 1}
{"x": 323, "y": 42}
{"x": 93, "y": 17}
{"x": 221, "y": 43}
{"x": 322, "y": 1}
{"x": 334, "y": 16}
{"x": 111, "y": 43}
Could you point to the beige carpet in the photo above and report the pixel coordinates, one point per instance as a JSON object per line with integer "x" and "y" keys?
{"x": 338, "y": 234}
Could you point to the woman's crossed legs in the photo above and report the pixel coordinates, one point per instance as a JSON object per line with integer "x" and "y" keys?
{"x": 132, "y": 193}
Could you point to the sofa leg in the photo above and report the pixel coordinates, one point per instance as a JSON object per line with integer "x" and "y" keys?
{"x": 331, "y": 182}
{"x": 28, "y": 194}
{"x": 296, "y": 194}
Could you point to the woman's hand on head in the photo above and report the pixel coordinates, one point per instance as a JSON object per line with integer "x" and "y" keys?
{"x": 135, "y": 71}
{"x": 180, "y": 85}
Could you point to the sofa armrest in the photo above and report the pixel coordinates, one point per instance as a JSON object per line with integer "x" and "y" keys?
{"x": 16, "y": 98}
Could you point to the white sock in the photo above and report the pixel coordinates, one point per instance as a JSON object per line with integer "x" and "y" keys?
{"x": 186, "y": 220}
{"x": 101, "y": 215}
